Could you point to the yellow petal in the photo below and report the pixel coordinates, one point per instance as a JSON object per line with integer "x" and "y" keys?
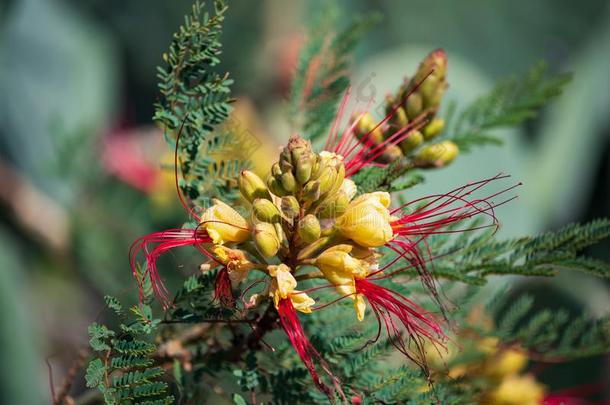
{"x": 367, "y": 220}
{"x": 224, "y": 224}
{"x": 360, "y": 306}
{"x": 302, "y": 302}
{"x": 285, "y": 282}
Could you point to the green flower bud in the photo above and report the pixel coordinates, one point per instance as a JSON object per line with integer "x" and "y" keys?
{"x": 390, "y": 154}
{"x": 428, "y": 88}
{"x": 433, "y": 100}
{"x": 266, "y": 239}
{"x": 299, "y": 147}
{"x": 434, "y": 128}
{"x": 414, "y": 105}
{"x": 251, "y": 186}
{"x": 437, "y": 155}
{"x": 288, "y": 182}
{"x": 398, "y": 120}
{"x": 365, "y": 125}
{"x": 411, "y": 142}
{"x": 281, "y": 234}
{"x": 276, "y": 187}
{"x": 309, "y": 228}
{"x": 266, "y": 211}
{"x": 338, "y": 179}
{"x": 303, "y": 169}
{"x": 285, "y": 156}
{"x": 311, "y": 191}
{"x": 276, "y": 170}
{"x": 327, "y": 180}
{"x": 435, "y": 60}
{"x": 286, "y": 166}
{"x": 290, "y": 207}
{"x": 334, "y": 206}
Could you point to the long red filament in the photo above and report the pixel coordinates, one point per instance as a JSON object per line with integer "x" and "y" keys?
{"x": 223, "y": 292}
{"x": 162, "y": 242}
{"x": 308, "y": 354}
{"x": 358, "y": 153}
{"x": 401, "y": 317}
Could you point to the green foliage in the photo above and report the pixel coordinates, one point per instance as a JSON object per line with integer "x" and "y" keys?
{"x": 474, "y": 256}
{"x": 392, "y": 178}
{"x": 322, "y": 72}
{"x": 124, "y": 372}
{"x": 214, "y": 350}
{"x": 195, "y": 102}
{"x": 509, "y": 103}
{"x": 97, "y": 337}
{"x": 551, "y": 335}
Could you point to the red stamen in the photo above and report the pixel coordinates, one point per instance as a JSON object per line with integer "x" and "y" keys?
{"x": 163, "y": 242}
{"x": 358, "y": 153}
{"x": 445, "y": 210}
{"x": 308, "y": 354}
{"x": 223, "y": 292}
{"x": 389, "y": 307}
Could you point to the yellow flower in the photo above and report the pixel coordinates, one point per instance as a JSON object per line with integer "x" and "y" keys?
{"x": 224, "y": 224}
{"x": 506, "y": 362}
{"x": 341, "y": 269}
{"x": 283, "y": 286}
{"x": 235, "y": 261}
{"x": 516, "y": 390}
{"x": 367, "y": 220}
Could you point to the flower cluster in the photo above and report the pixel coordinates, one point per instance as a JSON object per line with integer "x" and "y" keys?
{"x": 306, "y": 221}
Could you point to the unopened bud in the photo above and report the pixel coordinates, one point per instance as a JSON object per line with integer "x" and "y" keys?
{"x": 303, "y": 169}
{"x": 309, "y": 228}
{"x": 390, "y": 154}
{"x": 281, "y": 235}
{"x": 433, "y": 99}
{"x": 298, "y": 147}
{"x": 368, "y": 130}
{"x": 266, "y": 211}
{"x": 276, "y": 187}
{"x": 412, "y": 141}
{"x": 428, "y": 88}
{"x": 286, "y": 167}
{"x": 438, "y": 155}
{"x": 335, "y": 206}
{"x": 285, "y": 156}
{"x": 327, "y": 180}
{"x": 290, "y": 206}
{"x": 266, "y": 239}
{"x": 435, "y": 62}
{"x": 288, "y": 182}
{"x": 276, "y": 170}
{"x": 414, "y": 105}
{"x": 434, "y": 128}
{"x": 251, "y": 186}
{"x": 398, "y": 120}
{"x": 311, "y": 191}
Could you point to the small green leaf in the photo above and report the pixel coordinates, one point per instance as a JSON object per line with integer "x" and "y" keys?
{"x": 98, "y": 335}
{"x": 95, "y": 373}
{"x": 239, "y": 400}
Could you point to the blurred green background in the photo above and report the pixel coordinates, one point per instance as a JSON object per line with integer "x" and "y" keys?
{"x": 75, "y": 73}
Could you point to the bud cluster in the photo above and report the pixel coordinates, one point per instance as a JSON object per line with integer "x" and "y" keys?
{"x": 416, "y": 103}
{"x": 302, "y": 188}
